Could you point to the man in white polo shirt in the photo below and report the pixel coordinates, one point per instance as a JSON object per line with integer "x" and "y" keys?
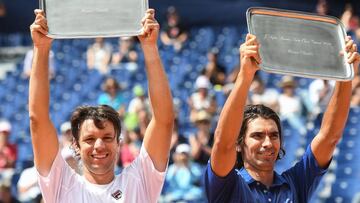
{"x": 96, "y": 131}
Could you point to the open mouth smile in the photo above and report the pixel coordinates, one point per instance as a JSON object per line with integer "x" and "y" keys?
{"x": 99, "y": 156}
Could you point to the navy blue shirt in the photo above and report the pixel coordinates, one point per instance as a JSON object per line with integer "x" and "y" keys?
{"x": 294, "y": 185}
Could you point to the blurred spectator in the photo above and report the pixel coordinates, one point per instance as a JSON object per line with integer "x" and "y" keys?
{"x": 28, "y": 63}
{"x": 213, "y": 70}
{"x": 350, "y": 20}
{"x": 126, "y": 54}
{"x": 202, "y": 99}
{"x": 2, "y": 9}
{"x": 98, "y": 56}
{"x": 139, "y": 109}
{"x": 28, "y": 187}
{"x": 357, "y": 36}
{"x": 130, "y": 147}
{"x": 230, "y": 80}
{"x": 201, "y": 142}
{"x": 346, "y": 16}
{"x": 183, "y": 177}
{"x": 112, "y": 96}
{"x": 355, "y": 99}
{"x": 173, "y": 33}
{"x": 5, "y": 193}
{"x": 320, "y": 92}
{"x": 259, "y": 94}
{"x": 69, "y": 150}
{"x": 8, "y": 152}
{"x": 322, "y": 7}
{"x": 290, "y": 105}
{"x": 176, "y": 139}
{"x": 140, "y": 102}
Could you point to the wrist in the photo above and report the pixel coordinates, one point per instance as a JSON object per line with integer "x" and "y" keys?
{"x": 247, "y": 75}
{"x": 149, "y": 47}
{"x": 42, "y": 47}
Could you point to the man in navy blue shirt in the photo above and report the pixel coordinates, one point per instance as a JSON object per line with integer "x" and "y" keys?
{"x": 254, "y": 134}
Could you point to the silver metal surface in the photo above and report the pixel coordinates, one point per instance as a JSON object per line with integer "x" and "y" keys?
{"x": 94, "y": 18}
{"x": 300, "y": 44}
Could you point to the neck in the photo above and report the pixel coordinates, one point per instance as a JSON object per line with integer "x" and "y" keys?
{"x": 102, "y": 179}
{"x": 266, "y": 177}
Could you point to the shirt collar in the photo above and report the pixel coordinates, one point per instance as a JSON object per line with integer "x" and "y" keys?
{"x": 245, "y": 175}
{"x": 278, "y": 179}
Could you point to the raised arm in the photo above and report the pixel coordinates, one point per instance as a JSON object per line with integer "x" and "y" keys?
{"x": 333, "y": 123}
{"x": 43, "y": 133}
{"x": 158, "y": 133}
{"x": 223, "y": 155}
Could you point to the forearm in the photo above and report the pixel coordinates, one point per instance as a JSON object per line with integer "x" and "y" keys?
{"x": 159, "y": 90}
{"x": 43, "y": 133}
{"x": 333, "y": 123}
{"x": 223, "y": 156}
{"x": 39, "y": 84}
{"x": 231, "y": 116}
{"x": 336, "y": 114}
{"x": 158, "y": 133}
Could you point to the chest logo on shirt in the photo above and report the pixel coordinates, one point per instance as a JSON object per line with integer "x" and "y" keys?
{"x": 117, "y": 194}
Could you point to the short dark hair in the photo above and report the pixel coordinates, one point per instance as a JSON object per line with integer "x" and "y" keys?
{"x": 99, "y": 114}
{"x": 252, "y": 112}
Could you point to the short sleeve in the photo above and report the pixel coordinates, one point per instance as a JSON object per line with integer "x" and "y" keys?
{"x": 151, "y": 179}
{"x": 218, "y": 189}
{"x": 306, "y": 175}
{"x": 60, "y": 179}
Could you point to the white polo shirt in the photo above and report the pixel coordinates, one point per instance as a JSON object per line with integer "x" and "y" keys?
{"x": 139, "y": 182}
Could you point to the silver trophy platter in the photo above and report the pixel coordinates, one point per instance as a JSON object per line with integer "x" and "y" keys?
{"x": 94, "y": 18}
{"x": 300, "y": 44}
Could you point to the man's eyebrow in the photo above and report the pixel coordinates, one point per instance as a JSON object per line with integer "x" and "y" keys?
{"x": 264, "y": 132}
{"x": 87, "y": 135}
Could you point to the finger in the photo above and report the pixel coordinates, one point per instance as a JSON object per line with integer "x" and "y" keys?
{"x": 151, "y": 11}
{"x": 257, "y": 58}
{"x": 354, "y": 48}
{"x": 252, "y": 41}
{"x": 148, "y": 28}
{"x": 38, "y": 28}
{"x": 253, "y": 47}
{"x": 253, "y": 55}
{"x": 42, "y": 22}
{"x": 146, "y": 18}
{"x": 149, "y": 21}
{"x": 249, "y": 53}
{"x": 347, "y": 38}
{"x": 348, "y": 45}
{"x": 248, "y": 36}
{"x": 40, "y": 18}
{"x": 148, "y": 15}
{"x": 39, "y": 11}
{"x": 353, "y": 57}
{"x": 341, "y": 53}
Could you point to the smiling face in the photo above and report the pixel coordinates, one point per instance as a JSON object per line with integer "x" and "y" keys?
{"x": 98, "y": 150}
{"x": 261, "y": 145}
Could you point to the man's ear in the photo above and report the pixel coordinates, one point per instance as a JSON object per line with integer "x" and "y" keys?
{"x": 76, "y": 148}
{"x": 118, "y": 146}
